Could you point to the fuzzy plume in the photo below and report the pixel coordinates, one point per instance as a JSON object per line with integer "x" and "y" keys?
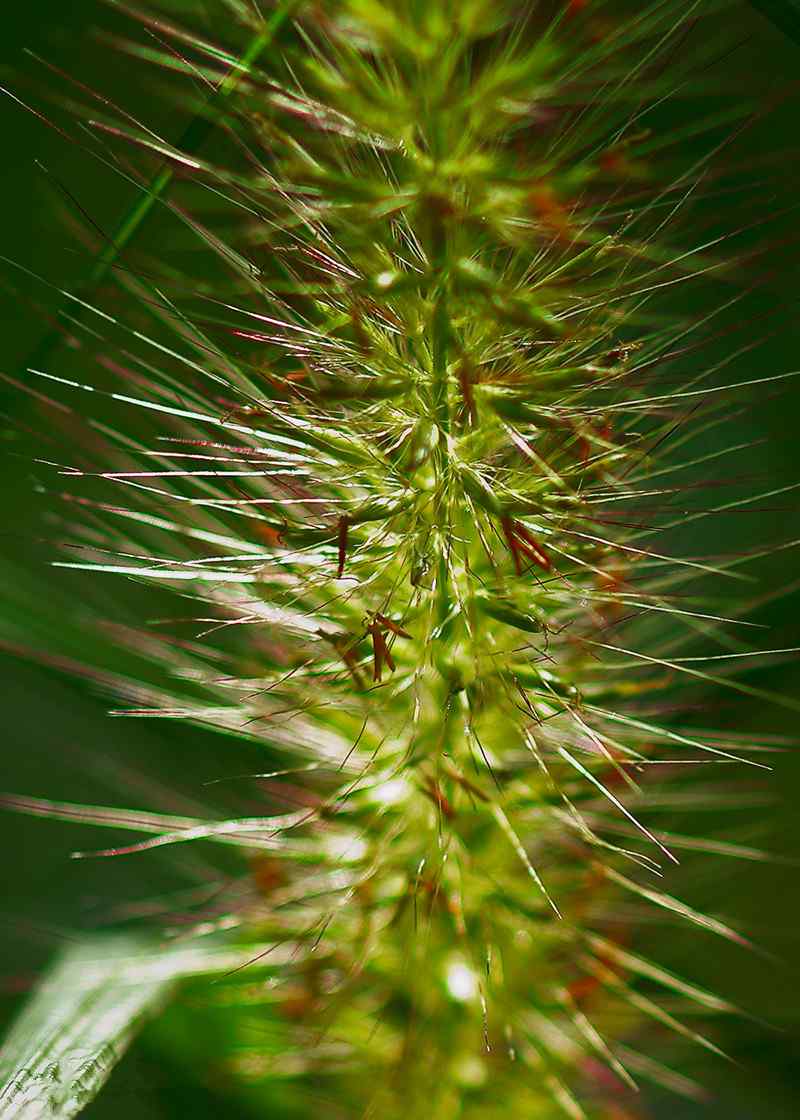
{"x": 393, "y": 421}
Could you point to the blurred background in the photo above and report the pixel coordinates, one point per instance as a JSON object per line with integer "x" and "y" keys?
{"x": 58, "y": 740}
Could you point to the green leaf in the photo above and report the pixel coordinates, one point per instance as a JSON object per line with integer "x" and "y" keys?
{"x": 81, "y": 1019}
{"x": 785, "y": 14}
{"x": 195, "y": 134}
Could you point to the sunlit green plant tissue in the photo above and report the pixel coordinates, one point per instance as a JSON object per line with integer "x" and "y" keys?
{"x": 390, "y": 420}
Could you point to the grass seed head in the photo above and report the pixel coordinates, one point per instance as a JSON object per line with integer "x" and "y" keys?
{"x": 386, "y": 390}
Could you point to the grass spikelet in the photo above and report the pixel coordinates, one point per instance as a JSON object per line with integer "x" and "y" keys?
{"x": 386, "y": 401}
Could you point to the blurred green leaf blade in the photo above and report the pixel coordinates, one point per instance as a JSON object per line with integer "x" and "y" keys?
{"x": 785, "y": 14}
{"x": 79, "y": 1022}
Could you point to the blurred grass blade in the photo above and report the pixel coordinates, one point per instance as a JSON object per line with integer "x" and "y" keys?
{"x": 195, "y": 134}
{"x": 79, "y": 1022}
{"x": 785, "y": 14}
{"x": 75, "y": 1029}
{"x": 197, "y": 131}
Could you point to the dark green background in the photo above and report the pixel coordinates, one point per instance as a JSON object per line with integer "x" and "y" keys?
{"x": 58, "y": 741}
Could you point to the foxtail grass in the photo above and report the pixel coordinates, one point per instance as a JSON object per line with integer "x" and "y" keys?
{"x": 372, "y": 437}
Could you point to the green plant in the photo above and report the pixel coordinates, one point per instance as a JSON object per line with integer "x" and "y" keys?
{"x": 403, "y": 344}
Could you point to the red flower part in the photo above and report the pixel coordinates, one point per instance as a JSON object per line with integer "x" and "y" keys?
{"x": 342, "y": 534}
{"x": 523, "y": 544}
